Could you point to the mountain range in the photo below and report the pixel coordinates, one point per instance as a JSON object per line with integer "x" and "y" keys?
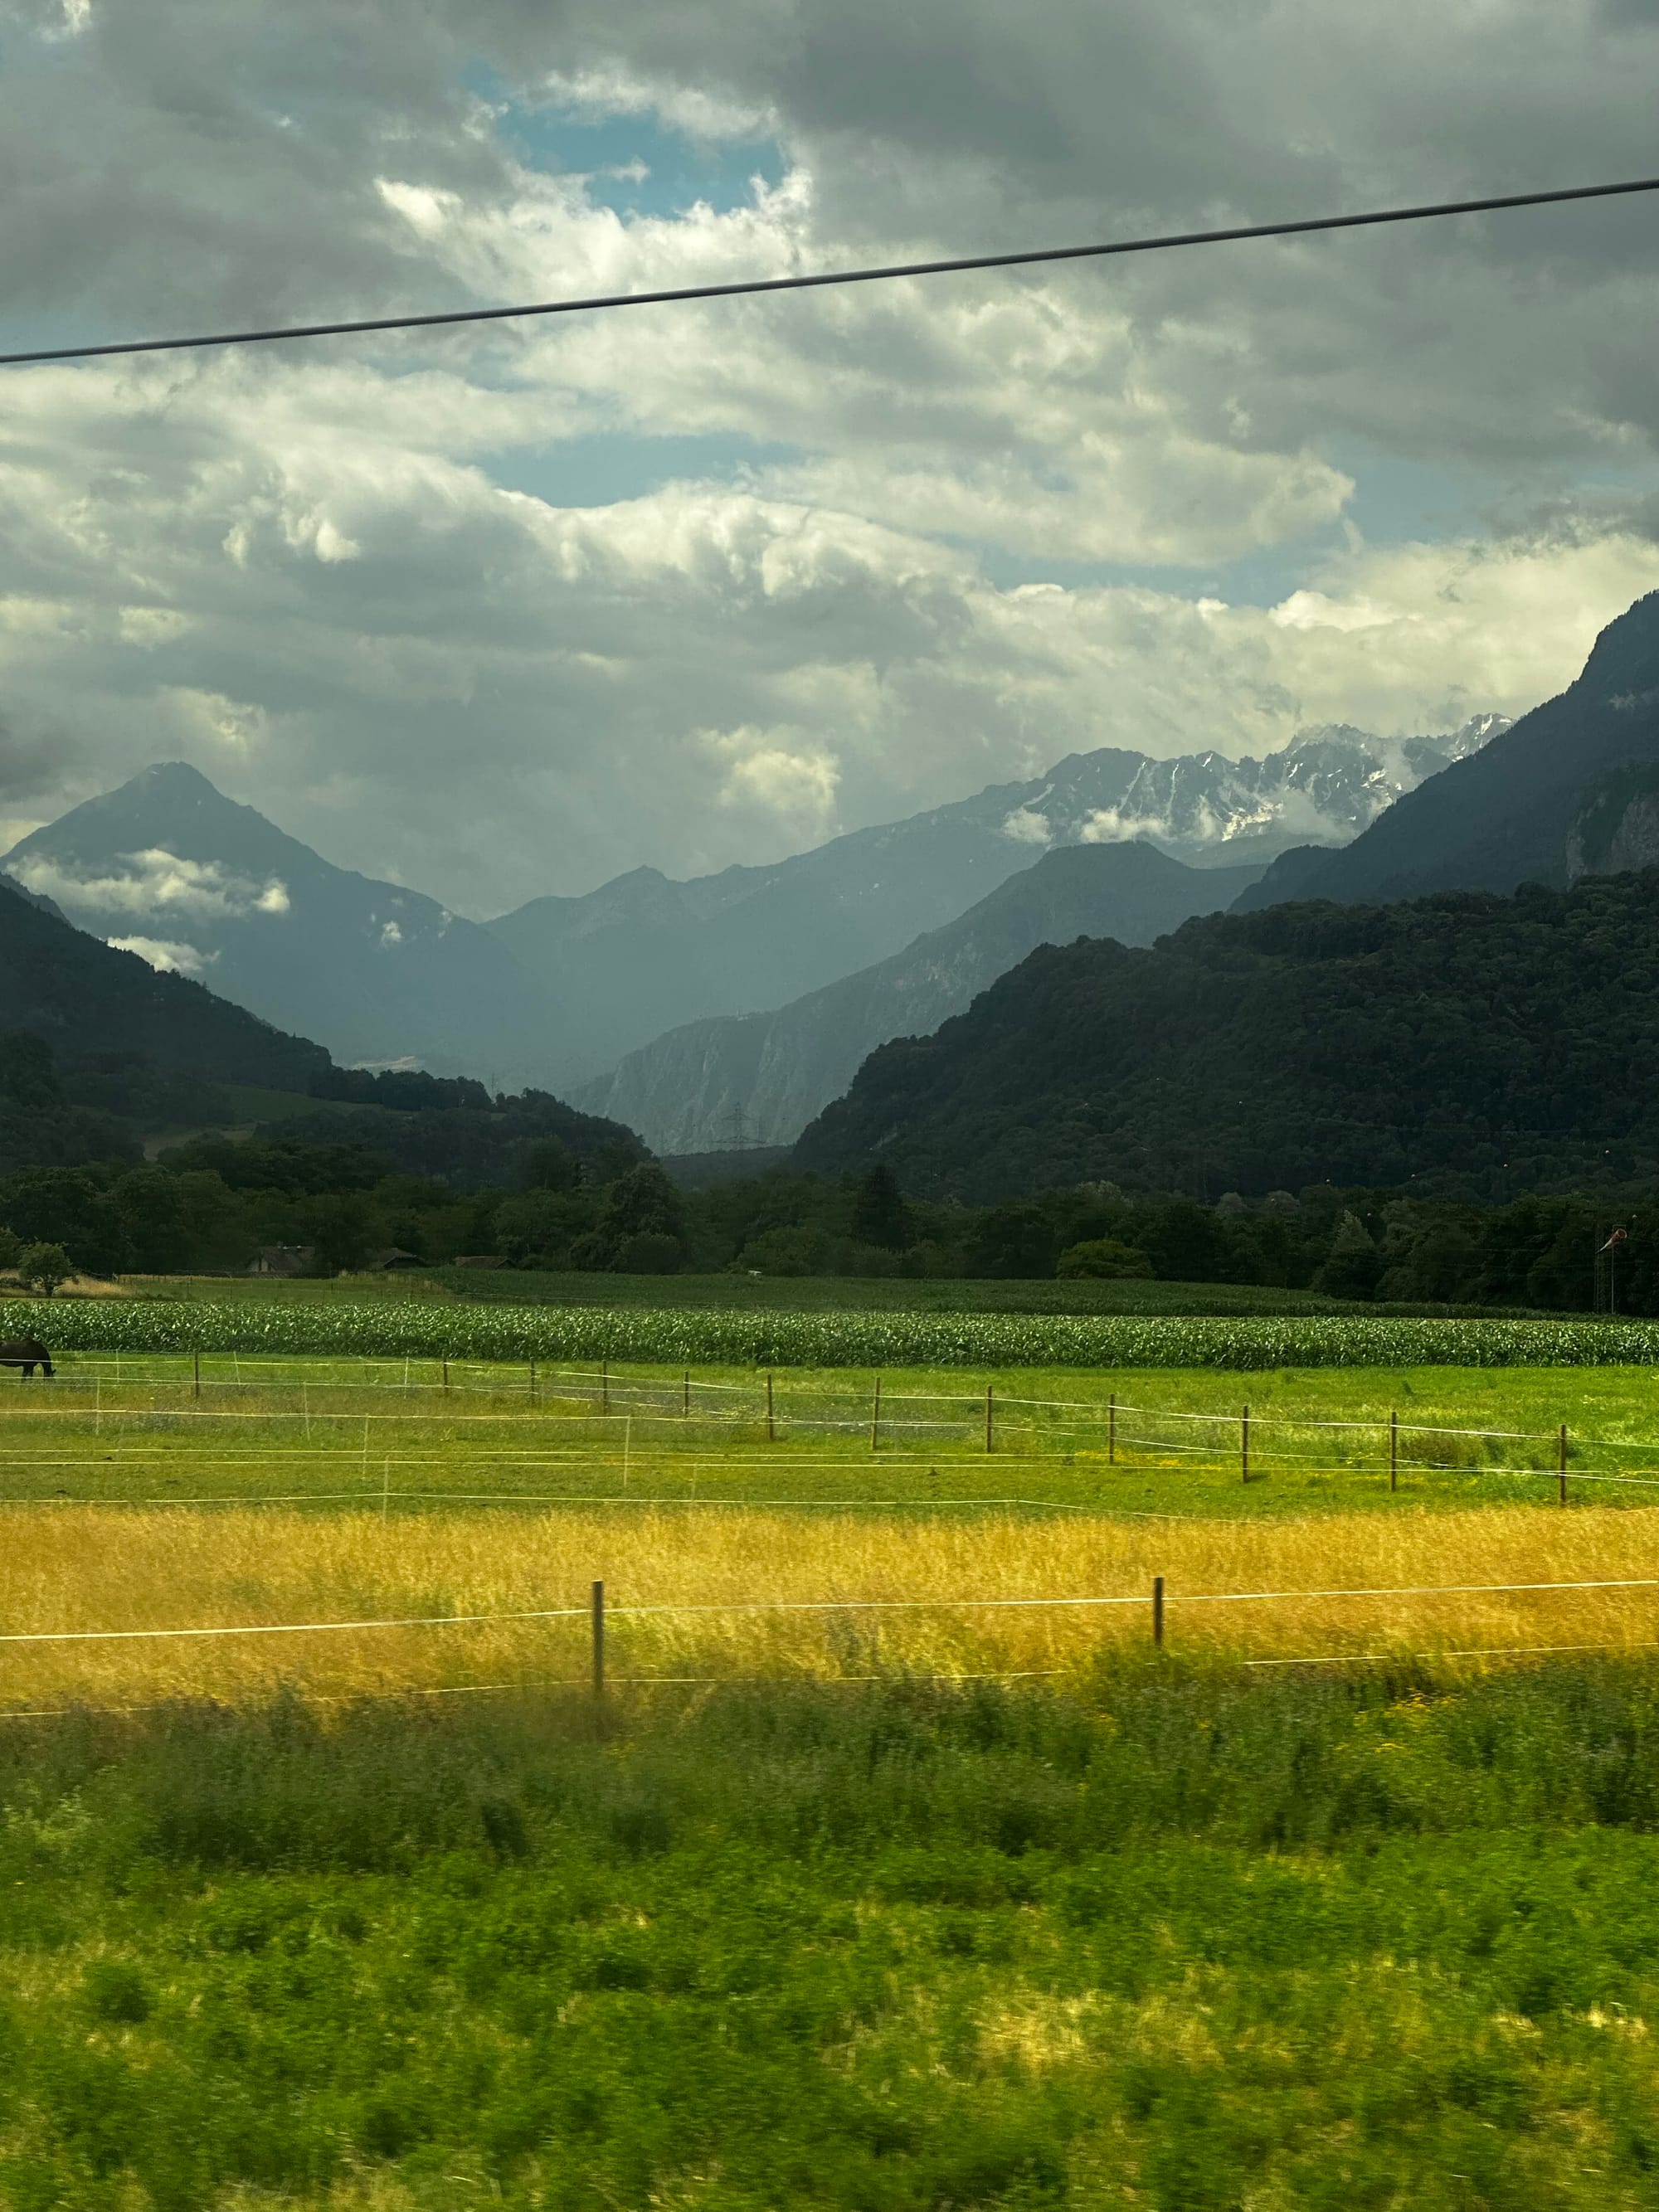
{"x": 761, "y": 1078}
{"x": 560, "y": 990}
{"x": 643, "y": 954}
{"x": 1496, "y": 1038}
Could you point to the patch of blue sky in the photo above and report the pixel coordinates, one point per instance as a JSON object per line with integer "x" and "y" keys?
{"x": 607, "y": 466}
{"x": 633, "y": 162}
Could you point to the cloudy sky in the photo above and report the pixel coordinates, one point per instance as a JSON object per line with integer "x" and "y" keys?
{"x": 496, "y": 613}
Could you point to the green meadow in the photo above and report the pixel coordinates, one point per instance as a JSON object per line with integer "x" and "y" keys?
{"x": 141, "y": 1426}
{"x": 1179, "y": 1939}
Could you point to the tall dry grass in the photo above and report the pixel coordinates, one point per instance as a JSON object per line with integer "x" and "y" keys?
{"x": 80, "y": 1570}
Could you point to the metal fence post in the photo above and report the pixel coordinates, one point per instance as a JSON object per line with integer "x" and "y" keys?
{"x": 1111, "y": 1430}
{"x": 197, "y": 1358}
{"x": 875, "y": 1415}
{"x": 598, "y": 1639}
{"x": 1244, "y": 1445}
{"x": 771, "y": 1426}
{"x": 1561, "y": 1461}
{"x": 686, "y": 1399}
{"x": 1158, "y": 1611}
{"x": 988, "y": 1433}
{"x": 604, "y": 1385}
{"x": 1393, "y": 1451}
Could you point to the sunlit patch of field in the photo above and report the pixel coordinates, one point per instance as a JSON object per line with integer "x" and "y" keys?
{"x": 870, "y": 1596}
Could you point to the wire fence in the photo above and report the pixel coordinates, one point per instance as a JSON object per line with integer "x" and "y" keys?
{"x": 400, "y": 1408}
{"x": 602, "y": 1615}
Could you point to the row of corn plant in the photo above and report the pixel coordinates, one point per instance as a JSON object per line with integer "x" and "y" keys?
{"x": 696, "y": 1336}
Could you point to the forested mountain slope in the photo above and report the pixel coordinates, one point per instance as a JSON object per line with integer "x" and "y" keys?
{"x": 1471, "y": 1041}
{"x": 90, "y": 1002}
{"x": 766, "y": 1075}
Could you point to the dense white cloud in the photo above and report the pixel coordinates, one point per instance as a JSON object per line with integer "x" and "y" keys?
{"x": 343, "y": 579}
{"x": 171, "y": 958}
{"x": 152, "y": 882}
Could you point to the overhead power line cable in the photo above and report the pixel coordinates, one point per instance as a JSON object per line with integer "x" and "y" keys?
{"x": 748, "y": 287}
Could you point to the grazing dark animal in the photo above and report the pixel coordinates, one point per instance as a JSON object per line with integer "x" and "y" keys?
{"x": 27, "y": 1353}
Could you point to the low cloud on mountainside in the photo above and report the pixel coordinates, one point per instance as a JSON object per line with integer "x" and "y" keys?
{"x": 503, "y": 612}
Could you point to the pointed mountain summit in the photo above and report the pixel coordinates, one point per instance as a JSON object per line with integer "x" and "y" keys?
{"x": 167, "y": 868}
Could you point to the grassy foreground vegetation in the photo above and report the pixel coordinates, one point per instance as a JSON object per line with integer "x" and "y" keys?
{"x": 1176, "y": 1939}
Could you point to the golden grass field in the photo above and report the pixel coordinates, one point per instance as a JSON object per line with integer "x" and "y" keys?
{"x": 78, "y": 1569}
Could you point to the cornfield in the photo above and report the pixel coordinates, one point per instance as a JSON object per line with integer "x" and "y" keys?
{"x": 694, "y": 1336}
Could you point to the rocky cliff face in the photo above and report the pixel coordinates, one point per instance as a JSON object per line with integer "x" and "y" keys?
{"x": 1618, "y": 830}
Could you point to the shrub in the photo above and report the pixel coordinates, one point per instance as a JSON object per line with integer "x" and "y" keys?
{"x": 650, "y": 1253}
{"x": 796, "y": 1251}
{"x": 1105, "y": 1259}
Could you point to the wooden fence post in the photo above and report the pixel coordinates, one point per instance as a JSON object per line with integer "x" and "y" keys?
{"x": 1244, "y": 1444}
{"x": 1158, "y": 1611}
{"x": 875, "y": 1415}
{"x": 598, "y": 1639}
{"x": 1561, "y": 1461}
{"x": 771, "y": 1425}
{"x": 1111, "y": 1430}
{"x": 1393, "y": 1451}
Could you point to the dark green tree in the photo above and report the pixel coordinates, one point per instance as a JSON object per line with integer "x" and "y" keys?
{"x": 643, "y": 1203}
{"x": 548, "y": 1164}
{"x": 343, "y": 1229}
{"x": 1015, "y": 1242}
{"x": 880, "y": 1215}
{"x": 1353, "y": 1263}
{"x": 42, "y": 1267}
{"x": 641, "y": 1226}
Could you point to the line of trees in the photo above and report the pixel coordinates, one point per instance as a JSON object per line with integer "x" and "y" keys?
{"x": 211, "y": 1205}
